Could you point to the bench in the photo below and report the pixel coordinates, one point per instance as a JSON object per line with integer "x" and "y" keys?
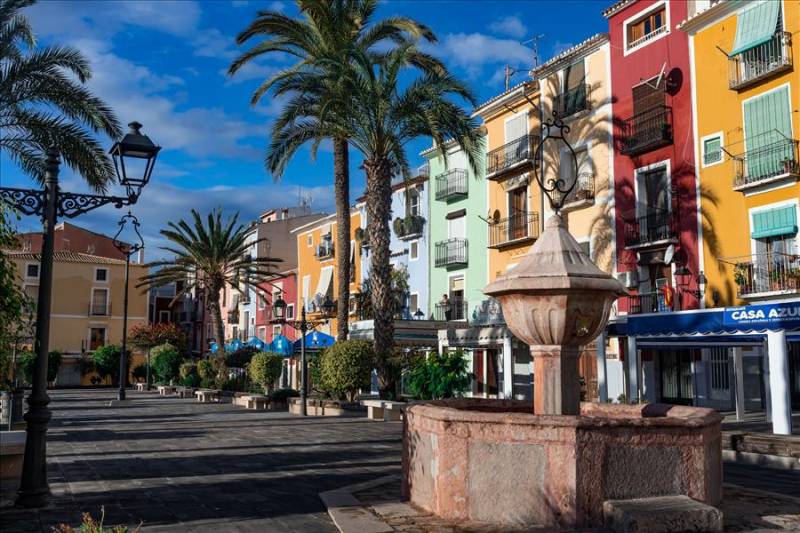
{"x": 12, "y": 450}
{"x": 185, "y": 392}
{"x": 207, "y": 396}
{"x": 385, "y": 410}
{"x": 166, "y": 390}
{"x": 257, "y": 402}
{"x": 140, "y": 387}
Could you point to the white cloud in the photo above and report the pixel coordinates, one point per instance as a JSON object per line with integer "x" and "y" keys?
{"x": 510, "y": 25}
{"x": 474, "y": 51}
{"x": 277, "y": 6}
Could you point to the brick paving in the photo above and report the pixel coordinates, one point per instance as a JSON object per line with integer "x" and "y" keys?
{"x": 181, "y": 466}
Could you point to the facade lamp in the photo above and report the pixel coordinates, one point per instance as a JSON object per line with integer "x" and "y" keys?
{"x": 279, "y": 308}
{"x": 134, "y": 157}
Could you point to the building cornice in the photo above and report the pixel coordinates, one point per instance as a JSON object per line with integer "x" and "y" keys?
{"x": 613, "y": 9}
{"x": 710, "y": 15}
{"x": 589, "y": 46}
{"x": 511, "y": 96}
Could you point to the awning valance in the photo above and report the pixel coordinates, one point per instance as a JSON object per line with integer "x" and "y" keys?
{"x": 755, "y": 26}
{"x": 774, "y": 222}
{"x": 325, "y": 277}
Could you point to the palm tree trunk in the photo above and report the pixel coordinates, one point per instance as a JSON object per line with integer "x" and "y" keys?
{"x": 379, "y": 201}
{"x": 216, "y": 320}
{"x": 341, "y": 185}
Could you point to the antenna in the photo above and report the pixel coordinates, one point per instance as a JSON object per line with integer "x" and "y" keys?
{"x": 535, "y": 46}
{"x": 509, "y": 72}
{"x": 660, "y": 77}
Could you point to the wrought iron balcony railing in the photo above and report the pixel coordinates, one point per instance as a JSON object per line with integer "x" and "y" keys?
{"x": 778, "y": 159}
{"x": 582, "y": 194}
{"x": 647, "y": 130}
{"x": 455, "y": 309}
{"x": 572, "y": 101}
{"x": 655, "y": 226}
{"x": 766, "y": 273}
{"x": 648, "y": 302}
{"x": 514, "y": 154}
{"x": 452, "y": 184}
{"x": 452, "y": 252}
{"x": 515, "y": 229}
{"x": 760, "y": 62}
{"x": 325, "y": 250}
{"x": 99, "y": 309}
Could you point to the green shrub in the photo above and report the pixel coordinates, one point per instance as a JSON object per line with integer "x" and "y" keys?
{"x": 28, "y": 359}
{"x": 187, "y": 368}
{"x": 207, "y": 383}
{"x": 440, "y": 376}
{"x": 241, "y": 357}
{"x": 139, "y": 372}
{"x": 281, "y": 395}
{"x": 205, "y": 369}
{"x": 346, "y": 367}
{"x": 106, "y": 361}
{"x": 315, "y": 371}
{"x": 265, "y": 369}
{"x": 166, "y": 362}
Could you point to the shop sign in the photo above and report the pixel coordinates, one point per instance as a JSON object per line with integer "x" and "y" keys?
{"x": 784, "y": 315}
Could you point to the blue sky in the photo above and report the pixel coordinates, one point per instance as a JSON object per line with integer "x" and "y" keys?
{"x": 164, "y": 64}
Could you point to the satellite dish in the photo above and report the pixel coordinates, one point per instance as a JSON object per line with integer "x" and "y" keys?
{"x": 669, "y": 254}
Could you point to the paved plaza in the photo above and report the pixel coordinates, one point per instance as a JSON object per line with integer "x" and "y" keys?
{"x": 181, "y": 466}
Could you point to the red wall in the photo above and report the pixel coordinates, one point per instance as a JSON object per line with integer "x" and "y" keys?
{"x": 263, "y": 316}
{"x": 630, "y": 70}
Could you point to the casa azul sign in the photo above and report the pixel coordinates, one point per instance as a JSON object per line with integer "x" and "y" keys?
{"x": 784, "y": 315}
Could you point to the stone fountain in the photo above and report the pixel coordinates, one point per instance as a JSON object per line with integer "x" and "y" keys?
{"x": 503, "y": 463}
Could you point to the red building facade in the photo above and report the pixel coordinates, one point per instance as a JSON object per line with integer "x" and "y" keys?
{"x": 267, "y": 327}
{"x": 654, "y": 165}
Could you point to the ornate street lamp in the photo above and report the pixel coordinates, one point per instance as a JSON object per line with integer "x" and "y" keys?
{"x": 685, "y": 274}
{"x": 279, "y": 313}
{"x": 128, "y": 250}
{"x": 51, "y": 203}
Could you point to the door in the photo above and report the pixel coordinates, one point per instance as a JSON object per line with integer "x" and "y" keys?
{"x": 653, "y": 204}
{"x": 477, "y": 369}
{"x": 517, "y": 145}
{"x": 491, "y": 372}
{"x": 456, "y": 297}
{"x": 720, "y": 377}
{"x": 574, "y": 88}
{"x": 794, "y": 373}
{"x": 676, "y": 376}
{"x": 517, "y": 212}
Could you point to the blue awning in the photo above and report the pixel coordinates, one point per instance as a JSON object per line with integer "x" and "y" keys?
{"x": 257, "y": 343}
{"x": 281, "y": 345}
{"x": 315, "y": 340}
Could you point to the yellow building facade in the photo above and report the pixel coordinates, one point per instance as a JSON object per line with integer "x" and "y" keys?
{"x": 317, "y": 278}
{"x": 747, "y": 125}
{"x": 87, "y": 305}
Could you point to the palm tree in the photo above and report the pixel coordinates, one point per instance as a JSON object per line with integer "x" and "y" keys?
{"x": 44, "y": 102}
{"x": 210, "y": 257}
{"x": 323, "y": 41}
{"x": 382, "y": 118}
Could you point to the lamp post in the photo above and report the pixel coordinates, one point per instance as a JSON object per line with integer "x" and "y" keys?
{"x": 128, "y": 250}
{"x": 279, "y": 312}
{"x": 51, "y": 203}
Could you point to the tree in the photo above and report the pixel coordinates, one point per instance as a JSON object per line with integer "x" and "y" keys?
{"x": 346, "y": 367}
{"x": 265, "y": 369}
{"x": 398, "y": 287}
{"x": 322, "y": 41}
{"x": 106, "y": 361}
{"x": 166, "y": 362}
{"x": 44, "y": 102}
{"x": 440, "y": 376}
{"x": 383, "y": 116}
{"x": 28, "y": 359}
{"x": 210, "y": 256}
{"x": 146, "y": 336}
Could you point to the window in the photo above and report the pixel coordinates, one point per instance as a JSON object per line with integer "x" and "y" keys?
{"x": 32, "y": 270}
{"x": 413, "y": 250}
{"x": 99, "y": 304}
{"x": 290, "y": 312}
{"x": 413, "y": 202}
{"x": 413, "y": 303}
{"x": 720, "y": 371}
{"x": 653, "y": 193}
{"x": 262, "y": 300}
{"x": 262, "y": 333}
{"x": 97, "y": 338}
{"x": 101, "y": 274}
{"x": 712, "y": 149}
{"x": 457, "y": 227}
{"x": 767, "y": 128}
{"x": 646, "y": 28}
{"x": 310, "y": 240}
{"x": 276, "y": 330}
{"x": 573, "y": 89}
{"x": 32, "y": 292}
{"x": 585, "y": 248}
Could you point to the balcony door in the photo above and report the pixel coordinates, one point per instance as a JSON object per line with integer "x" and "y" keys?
{"x": 516, "y": 128}
{"x": 456, "y": 297}
{"x": 517, "y": 213}
{"x": 767, "y": 133}
{"x": 653, "y": 203}
{"x": 676, "y": 376}
{"x": 99, "y": 302}
{"x": 574, "y": 88}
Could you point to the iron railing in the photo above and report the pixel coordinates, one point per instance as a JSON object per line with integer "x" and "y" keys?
{"x": 99, "y": 309}
{"x": 324, "y": 250}
{"x": 648, "y": 302}
{"x": 451, "y": 252}
{"x": 572, "y": 101}
{"x": 759, "y": 62}
{"x": 516, "y": 152}
{"x": 583, "y": 190}
{"x": 452, "y": 184}
{"x": 763, "y": 163}
{"x": 654, "y": 226}
{"x": 762, "y": 273}
{"x": 517, "y": 227}
{"x": 455, "y": 309}
{"x": 647, "y": 130}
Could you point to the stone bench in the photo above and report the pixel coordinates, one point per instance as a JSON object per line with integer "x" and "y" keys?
{"x": 385, "y": 410}
{"x": 256, "y": 402}
{"x": 662, "y": 514}
{"x": 166, "y": 390}
{"x": 140, "y": 387}
{"x": 207, "y": 396}
{"x": 12, "y": 450}
{"x": 185, "y": 392}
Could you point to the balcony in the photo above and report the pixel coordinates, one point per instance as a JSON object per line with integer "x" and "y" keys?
{"x": 760, "y": 62}
{"x": 409, "y": 228}
{"x": 516, "y": 229}
{"x": 99, "y": 309}
{"x": 655, "y": 228}
{"x": 647, "y": 302}
{"x": 571, "y": 101}
{"x": 774, "y": 162}
{"x": 451, "y": 310}
{"x": 452, "y": 252}
{"x": 644, "y": 39}
{"x": 766, "y": 275}
{"x": 452, "y": 185}
{"x": 582, "y": 195}
{"x": 324, "y": 250}
{"x": 647, "y": 130}
{"x": 516, "y": 154}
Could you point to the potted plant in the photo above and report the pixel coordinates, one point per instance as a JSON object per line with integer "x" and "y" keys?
{"x": 776, "y": 278}
{"x": 399, "y": 227}
{"x": 740, "y": 274}
{"x": 789, "y": 166}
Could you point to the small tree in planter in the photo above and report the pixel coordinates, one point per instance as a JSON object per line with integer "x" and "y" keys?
{"x": 206, "y": 371}
{"x": 346, "y": 367}
{"x": 265, "y": 369}
{"x": 189, "y": 375}
{"x": 241, "y": 357}
{"x": 28, "y": 359}
{"x": 440, "y": 376}
{"x": 166, "y": 362}
{"x": 139, "y": 373}
{"x": 106, "y": 362}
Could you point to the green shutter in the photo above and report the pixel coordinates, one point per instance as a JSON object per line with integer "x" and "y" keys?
{"x": 774, "y": 222}
{"x": 767, "y": 128}
{"x": 711, "y": 150}
{"x": 756, "y": 26}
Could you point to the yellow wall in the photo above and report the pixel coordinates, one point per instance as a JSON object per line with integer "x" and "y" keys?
{"x": 726, "y": 222}
{"x": 309, "y": 265}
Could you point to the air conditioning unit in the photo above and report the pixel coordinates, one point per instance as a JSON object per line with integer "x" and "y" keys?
{"x": 630, "y": 280}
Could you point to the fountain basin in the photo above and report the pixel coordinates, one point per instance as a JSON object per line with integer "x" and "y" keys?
{"x": 494, "y": 461}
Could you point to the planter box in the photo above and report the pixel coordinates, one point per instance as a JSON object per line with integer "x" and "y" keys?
{"x": 317, "y": 407}
{"x": 12, "y": 450}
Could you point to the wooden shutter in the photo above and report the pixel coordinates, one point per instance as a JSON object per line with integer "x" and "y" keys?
{"x": 767, "y": 120}
{"x": 647, "y": 96}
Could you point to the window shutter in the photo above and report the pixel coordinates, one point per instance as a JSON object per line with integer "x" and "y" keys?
{"x": 646, "y": 96}
{"x": 767, "y": 120}
{"x": 756, "y": 26}
{"x": 774, "y": 222}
